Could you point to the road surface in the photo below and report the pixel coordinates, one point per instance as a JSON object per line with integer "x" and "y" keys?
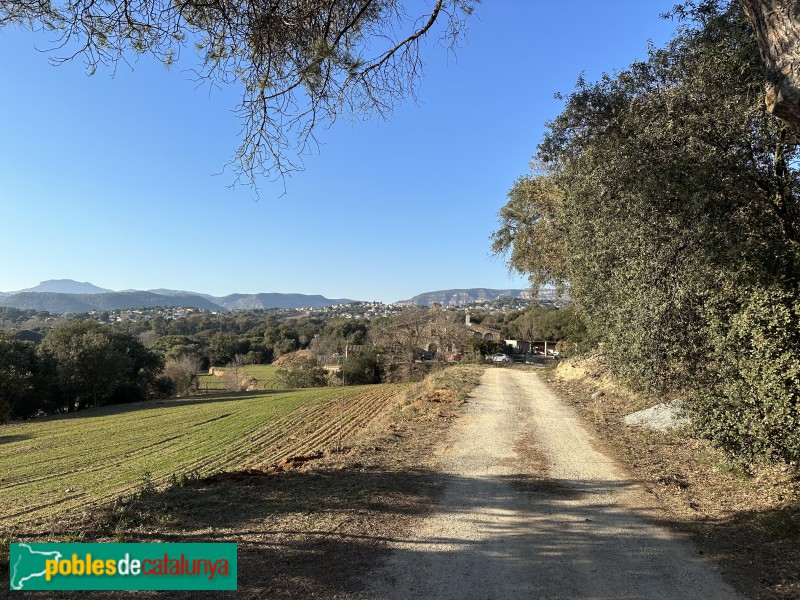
{"x": 532, "y": 510}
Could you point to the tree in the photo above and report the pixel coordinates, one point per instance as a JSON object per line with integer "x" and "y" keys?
{"x": 305, "y": 373}
{"x": 363, "y": 367}
{"x": 402, "y": 337}
{"x": 548, "y": 323}
{"x": 234, "y": 377}
{"x": 20, "y": 396}
{"x": 97, "y": 365}
{"x": 183, "y": 371}
{"x": 300, "y": 65}
{"x": 671, "y": 199}
{"x": 777, "y": 27}
{"x": 447, "y": 332}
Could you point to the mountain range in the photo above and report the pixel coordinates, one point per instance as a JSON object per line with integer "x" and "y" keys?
{"x": 60, "y": 296}
{"x": 460, "y": 297}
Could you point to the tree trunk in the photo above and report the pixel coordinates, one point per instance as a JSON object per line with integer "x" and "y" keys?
{"x": 777, "y": 28}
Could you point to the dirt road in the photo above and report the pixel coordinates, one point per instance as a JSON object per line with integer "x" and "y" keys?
{"x": 532, "y": 510}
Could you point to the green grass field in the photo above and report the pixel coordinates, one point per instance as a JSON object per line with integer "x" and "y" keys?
{"x": 56, "y": 464}
{"x": 265, "y": 376}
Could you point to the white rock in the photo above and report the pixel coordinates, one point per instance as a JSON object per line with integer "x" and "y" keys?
{"x": 661, "y": 417}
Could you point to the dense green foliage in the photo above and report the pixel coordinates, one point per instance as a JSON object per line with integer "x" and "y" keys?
{"x": 548, "y": 323}
{"x": 305, "y": 373}
{"x": 97, "y": 365}
{"x": 18, "y": 368}
{"x": 79, "y": 364}
{"x": 363, "y": 367}
{"x": 666, "y": 198}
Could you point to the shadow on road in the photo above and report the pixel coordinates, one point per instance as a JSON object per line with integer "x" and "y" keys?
{"x": 320, "y": 533}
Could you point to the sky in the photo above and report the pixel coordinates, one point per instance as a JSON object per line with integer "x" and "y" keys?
{"x": 115, "y": 178}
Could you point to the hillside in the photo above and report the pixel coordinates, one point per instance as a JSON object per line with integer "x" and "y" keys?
{"x": 274, "y": 300}
{"x": 78, "y": 303}
{"x": 66, "y": 286}
{"x": 460, "y": 297}
{"x": 61, "y": 296}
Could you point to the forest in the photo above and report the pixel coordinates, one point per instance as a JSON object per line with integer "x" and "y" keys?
{"x": 82, "y": 361}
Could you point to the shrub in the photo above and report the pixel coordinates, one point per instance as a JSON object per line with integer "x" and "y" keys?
{"x": 363, "y": 367}
{"x": 750, "y": 403}
{"x": 304, "y": 373}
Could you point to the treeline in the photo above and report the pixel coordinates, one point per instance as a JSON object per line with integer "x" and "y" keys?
{"x": 665, "y": 198}
{"x": 81, "y": 363}
{"x": 78, "y": 364}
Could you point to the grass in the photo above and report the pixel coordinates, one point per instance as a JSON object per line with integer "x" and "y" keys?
{"x": 55, "y": 465}
{"x": 310, "y": 531}
{"x": 265, "y": 375}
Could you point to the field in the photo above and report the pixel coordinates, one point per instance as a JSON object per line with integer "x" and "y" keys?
{"x": 53, "y": 465}
{"x": 265, "y": 376}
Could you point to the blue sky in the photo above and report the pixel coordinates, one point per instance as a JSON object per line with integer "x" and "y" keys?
{"x": 114, "y": 178}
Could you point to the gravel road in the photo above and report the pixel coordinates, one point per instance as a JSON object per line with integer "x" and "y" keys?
{"x": 532, "y": 510}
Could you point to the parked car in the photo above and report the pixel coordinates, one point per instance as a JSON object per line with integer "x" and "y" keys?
{"x": 456, "y": 357}
{"x": 501, "y": 358}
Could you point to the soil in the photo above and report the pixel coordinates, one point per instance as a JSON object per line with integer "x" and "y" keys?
{"x": 531, "y": 509}
{"x": 743, "y": 517}
{"x": 517, "y": 493}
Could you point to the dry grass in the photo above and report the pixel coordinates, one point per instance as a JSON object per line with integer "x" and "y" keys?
{"x": 745, "y": 517}
{"x": 307, "y": 526}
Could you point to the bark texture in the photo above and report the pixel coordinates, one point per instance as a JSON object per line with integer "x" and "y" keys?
{"x": 777, "y": 28}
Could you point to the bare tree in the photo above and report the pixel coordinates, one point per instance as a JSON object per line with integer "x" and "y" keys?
{"x": 448, "y": 332}
{"x": 234, "y": 377}
{"x": 402, "y": 337}
{"x": 301, "y": 64}
{"x": 183, "y": 371}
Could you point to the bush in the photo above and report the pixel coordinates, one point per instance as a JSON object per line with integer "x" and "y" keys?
{"x": 305, "y": 373}
{"x": 363, "y": 367}
{"x": 750, "y": 404}
{"x": 163, "y": 387}
{"x": 183, "y": 372}
{"x": 234, "y": 378}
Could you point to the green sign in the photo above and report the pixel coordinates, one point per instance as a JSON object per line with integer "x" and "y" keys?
{"x": 104, "y": 566}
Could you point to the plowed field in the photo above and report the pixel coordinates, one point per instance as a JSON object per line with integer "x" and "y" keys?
{"x": 58, "y": 464}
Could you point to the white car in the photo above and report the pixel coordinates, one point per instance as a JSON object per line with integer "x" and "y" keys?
{"x": 501, "y": 358}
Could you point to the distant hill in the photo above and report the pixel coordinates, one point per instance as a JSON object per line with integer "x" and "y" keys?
{"x": 274, "y": 300}
{"x": 168, "y": 292}
{"x": 464, "y": 296}
{"x": 77, "y": 303}
{"x": 50, "y": 296}
{"x": 66, "y": 286}
{"x": 461, "y": 297}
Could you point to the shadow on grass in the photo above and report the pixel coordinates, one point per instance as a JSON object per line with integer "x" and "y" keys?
{"x": 7, "y": 439}
{"x": 116, "y": 409}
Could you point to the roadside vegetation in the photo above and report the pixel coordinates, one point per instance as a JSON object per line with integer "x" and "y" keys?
{"x": 666, "y": 200}
{"x": 742, "y": 514}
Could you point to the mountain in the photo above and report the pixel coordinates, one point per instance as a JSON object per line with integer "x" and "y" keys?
{"x": 44, "y": 297}
{"x": 65, "y": 286}
{"x": 168, "y": 292}
{"x": 253, "y": 301}
{"x": 464, "y": 296}
{"x": 77, "y": 303}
